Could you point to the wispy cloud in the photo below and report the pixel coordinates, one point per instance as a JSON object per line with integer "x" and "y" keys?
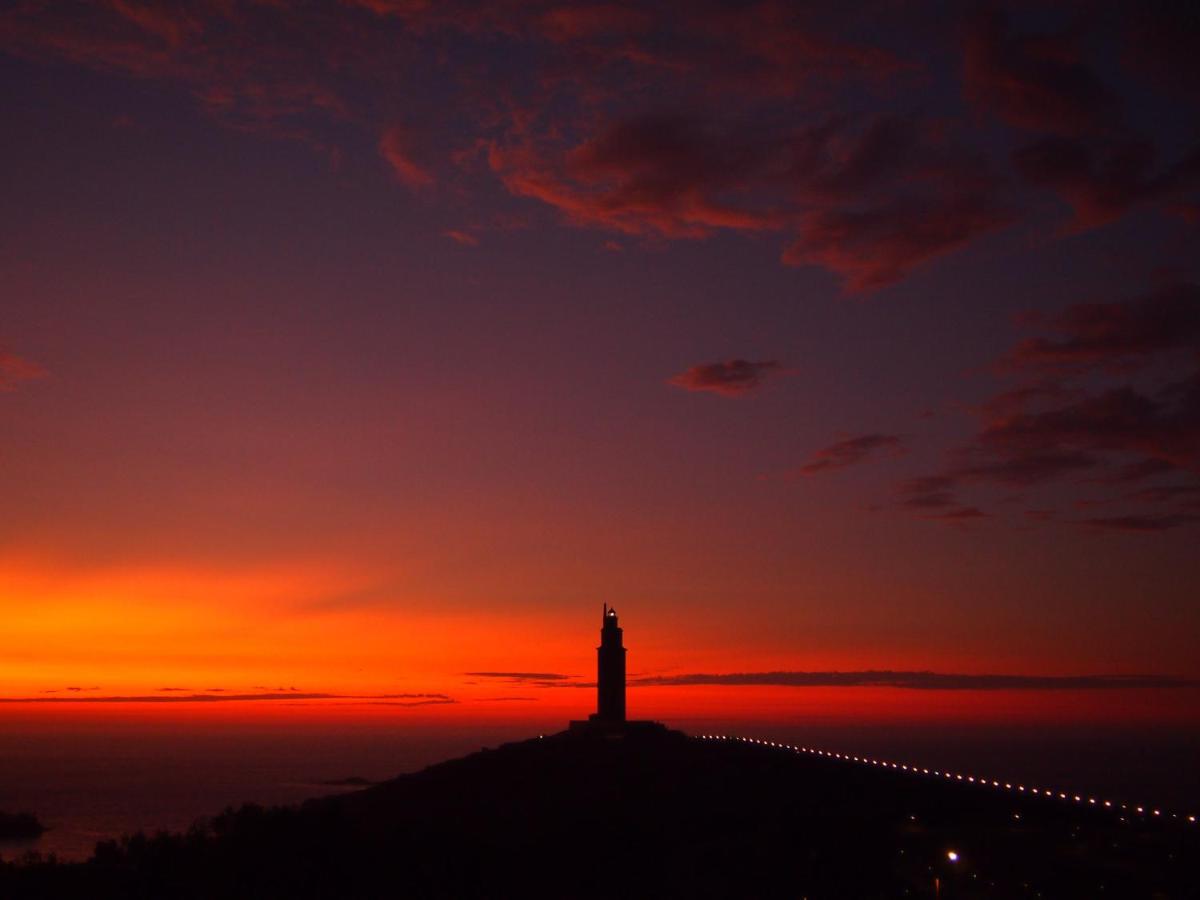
{"x": 533, "y": 679}
{"x": 850, "y": 451}
{"x": 919, "y": 680}
{"x": 465, "y": 238}
{"x": 504, "y": 699}
{"x": 731, "y": 378}
{"x": 223, "y": 697}
{"x": 14, "y": 370}
{"x": 395, "y": 147}
{"x": 1145, "y": 524}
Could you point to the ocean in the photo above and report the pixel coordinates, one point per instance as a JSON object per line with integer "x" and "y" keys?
{"x": 89, "y": 785}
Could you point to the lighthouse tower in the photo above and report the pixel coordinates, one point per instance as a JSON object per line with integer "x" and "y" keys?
{"x": 610, "y": 671}
{"x": 608, "y": 722}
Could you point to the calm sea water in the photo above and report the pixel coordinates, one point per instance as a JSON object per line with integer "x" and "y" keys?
{"x": 91, "y": 786}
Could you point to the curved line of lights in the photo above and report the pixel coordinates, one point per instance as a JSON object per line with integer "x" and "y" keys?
{"x": 955, "y": 776}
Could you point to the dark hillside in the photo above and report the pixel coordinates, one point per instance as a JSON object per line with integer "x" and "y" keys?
{"x": 656, "y": 814}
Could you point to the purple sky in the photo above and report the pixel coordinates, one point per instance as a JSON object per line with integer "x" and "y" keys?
{"x": 875, "y": 327}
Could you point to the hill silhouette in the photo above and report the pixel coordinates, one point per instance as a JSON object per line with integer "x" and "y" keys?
{"x": 19, "y": 826}
{"x": 652, "y": 813}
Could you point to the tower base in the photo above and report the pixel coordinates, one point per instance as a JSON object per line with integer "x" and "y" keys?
{"x": 607, "y": 728}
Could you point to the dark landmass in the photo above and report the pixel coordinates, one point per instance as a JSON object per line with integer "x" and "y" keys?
{"x": 653, "y": 814}
{"x": 352, "y": 781}
{"x": 20, "y": 826}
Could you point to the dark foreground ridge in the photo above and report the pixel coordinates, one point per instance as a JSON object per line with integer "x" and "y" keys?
{"x": 649, "y": 813}
{"x": 19, "y": 826}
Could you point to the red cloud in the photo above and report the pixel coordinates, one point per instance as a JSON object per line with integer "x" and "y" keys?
{"x": 1115, "y": 336}
{"x": 1107, "y": 435}
{"x": 959, "y": 514}
{"x": 598, "y": 20}
{"x": 392, "y": 7}
{"x": 850, "y": 451}
{"x": 667, "y": 175}
{"x": 869, "y": 203}
{"x": 732, "y": 378}
{"x": 875, "y": 245}
{"x": 14, "y": 370}
{"x": 462, "y": 237}
{"x": 394, "y": 147}
{"x": 170, "y": 25}
{"x": 1142, "y": 524}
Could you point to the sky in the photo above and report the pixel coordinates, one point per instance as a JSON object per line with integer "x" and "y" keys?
{"x": 352, "y": 354}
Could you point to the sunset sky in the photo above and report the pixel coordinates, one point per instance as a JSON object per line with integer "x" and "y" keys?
{"x": 360, "y": 350}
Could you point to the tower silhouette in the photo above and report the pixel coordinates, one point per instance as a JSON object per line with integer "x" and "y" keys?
{"x": 610, "y": 670}
{"x": 608, "y": 722}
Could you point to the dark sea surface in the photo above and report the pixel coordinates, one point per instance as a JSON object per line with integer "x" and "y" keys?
{"x": 88, "y": 786}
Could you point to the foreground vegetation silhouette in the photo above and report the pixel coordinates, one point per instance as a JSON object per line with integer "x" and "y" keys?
{"x": 647, "y": 814}
{"x": 20, "y": 826}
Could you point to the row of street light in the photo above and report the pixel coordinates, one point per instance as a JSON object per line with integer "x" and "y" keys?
{"x": 956, "y": 776}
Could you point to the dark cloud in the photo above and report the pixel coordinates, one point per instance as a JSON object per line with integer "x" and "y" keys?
{"x": 1103, "y": 180}
{"x": 522, "y": 676}
{"x": 1022, "y": 468}
{"x": 935, "y": 498}
{"x": 1143, "y": 523}
{"x": 504, "y": 699}
{"x": 731, "y": 378}
{"x": 1114, "y": 336}
{"x": 1088, "y": 155}
{"x": 251, "y": 66}
{"x": 1163, "y": 425}
{"x": 850, "y": 451}
{"x": 869, "y": 200}
{"x": 430, "y": 701}
{"x": 1166, "y": 493}
{"x": 928, "y": 492}
{"x": 925, "y": 680}
{"x": 878, "y": 199}
{"x": 958, "y": 514}
{"x": 1068, "y": 440}
{"x": 1133, "y": 472}
{"x": 1080, "y": 420}
{"x": 662, "y": 121}
{"x": 1036, "y": 82}
{"x": 674, "y": 176}
{"x": 72, "y": 689}
{"x": 600, "y": 20}
{"x": 1066, "y": 428}
{"x": 407, "y": 699}
{"x": 562, "y": 111}
{"x": 877, "y": 245}
{"x": 1160, "y": 39}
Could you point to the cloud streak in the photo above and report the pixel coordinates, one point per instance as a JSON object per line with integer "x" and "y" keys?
{"x": 533, "y": 679}
{"x": 731, "y": 378}
{"x": 391, "y": 699}
{"x": 14, "y": 370}
{"x": 922, "y": 680}
{"x": 1106, "y": 399}
{"x": 851, "y": 451}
